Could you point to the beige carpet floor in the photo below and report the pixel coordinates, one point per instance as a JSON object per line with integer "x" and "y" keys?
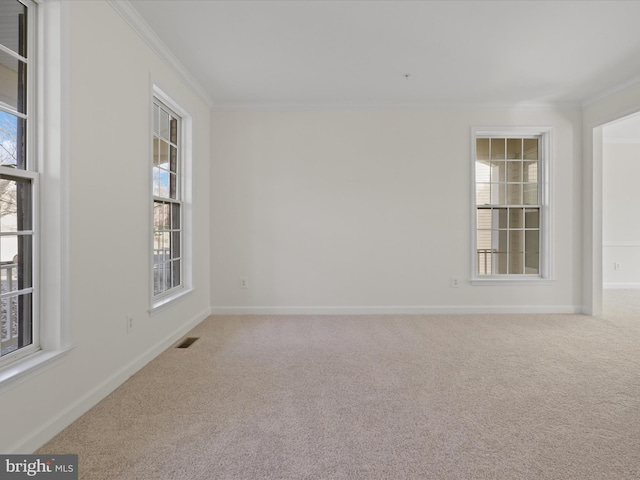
{"x": 377, "y": 397}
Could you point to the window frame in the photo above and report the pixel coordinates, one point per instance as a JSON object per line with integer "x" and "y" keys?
{"x": 545, "y": 274}
{"x": 30, "y": 173}
{"x": 184, "y": 186}
{"x": 48, "y": 146}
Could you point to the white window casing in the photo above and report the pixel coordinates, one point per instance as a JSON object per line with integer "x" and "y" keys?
{"x": 171, "y": 197}
{"x": 511, "y": 206}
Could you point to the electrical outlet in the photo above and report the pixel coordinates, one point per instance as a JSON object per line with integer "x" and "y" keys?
{"x": 616, "y": 266}
{"x": 244, "y": 283}
{"x": 129, "y": 319}
{"x": 454, "y": 282}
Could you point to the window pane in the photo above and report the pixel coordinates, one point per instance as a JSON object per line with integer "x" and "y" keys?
{"x": 516, "y": 218}
{"x": 14, "y": 26}
{"x": 498, "y": 148}
{"x": 532, "y": 218}
{"x": 12, "y": 140}
{"x": 167, "y": 276}
{"x": 514, "y": 171}
{"x": 484, "y": 261}
{"x": 484, "y": 218}
{"x": 499, "y": 263}
{"x": 173, "y": 186}
{"x": 498, "y": 171}
{"x": 514, "y": 148}
{"x": 173, "y": 159}
{"x": 501, "y": 218}
{"x": 15, "y": 322}
{"x": 483, "y": 194}
{"x": 160, "y": 182}
{"x": 13, "y": 82}
{"x": 482, "y": 149}
{"x": 530, "y": 148}
{"x": 530, "y": 194}
{"x": 516, "y": 241}
{"x": 175, "y": 215}
{"x": 514, "y": 194}
{"x": 160, "y": 216}
{"x": 163, "y": 154}
{"x": 175, "y": 244}
{"x": 499, "y": 241}
{"x": 532, "y": 251}
{"x": 483, "y": 239}
{"x": 158, "y": 279}
{"x": 173, "y": 127}
{"x": 498, "y": 194}
{"x": 516, "y": 263}
{"x": 530, "y": 172}
{"x": 15, "y": 264}
{"x": 164, "y": 124}
{"x": 166, "y": 246}
{"x": 177, "y": 274}
{"x": 483, "y": 172}
{"x": 156, "y": 152}
{"x": 15, "y": 204}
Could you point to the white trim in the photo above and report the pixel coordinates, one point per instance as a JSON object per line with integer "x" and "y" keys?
{"x": 53, "y": 150}
{"x": 142, "y": 28}
{"x": 20, "y": 371}
{"x": 546, "y": 204}
{"x": 511, "y": 280}
{"x": 399, "y": 310}
{"x": 332, "y": 107}
{"x": 51, "y": 98}
{"x": 162, "y": 301}
{"x": 38, "y": 437}
{"x": 621, "y": 244}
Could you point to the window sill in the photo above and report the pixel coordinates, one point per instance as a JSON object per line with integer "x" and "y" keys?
{"x": 512, "y": 281}
{"x": 28, "y": 367}
{"x": 165, "y": 302}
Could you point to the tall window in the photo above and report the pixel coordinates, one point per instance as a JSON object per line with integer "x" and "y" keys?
{"x": 511, "y": 227}
{"x": 18, "y": 325}
{"x": 167, "y": 201}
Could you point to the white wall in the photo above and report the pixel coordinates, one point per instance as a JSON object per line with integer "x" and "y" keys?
{"x": 620, "y": 222}
{"x": 355, "y": 211}
{"x": 110, "y": 89}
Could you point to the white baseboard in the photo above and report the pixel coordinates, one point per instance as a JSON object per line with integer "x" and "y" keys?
{"x": 397, "y": 310}
{"x": 35, "y": 439}
{"x": 621, "y": 286}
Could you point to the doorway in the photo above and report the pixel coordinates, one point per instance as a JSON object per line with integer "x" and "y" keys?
{"x": 620, "y": 225}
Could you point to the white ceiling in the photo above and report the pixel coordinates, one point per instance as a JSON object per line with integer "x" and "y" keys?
{"x": 295, "y": 53}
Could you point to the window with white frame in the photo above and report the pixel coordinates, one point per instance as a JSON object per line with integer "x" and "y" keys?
{"x": 18, "y": 182}
{"x": 168, "y": 186}
{"x": 511, "y": 214}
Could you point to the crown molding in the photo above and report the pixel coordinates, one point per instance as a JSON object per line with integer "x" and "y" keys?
{"x": 322, "y": 107}
{"x": 142, "y": 28}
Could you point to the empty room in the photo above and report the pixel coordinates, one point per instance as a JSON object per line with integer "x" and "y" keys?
{"x": 319, "y": 239}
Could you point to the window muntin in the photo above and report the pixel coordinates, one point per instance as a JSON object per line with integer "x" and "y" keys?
{"x": 18, "y": 325}
{"x": 167, "y": 201}
{"x": 508, "y": 203}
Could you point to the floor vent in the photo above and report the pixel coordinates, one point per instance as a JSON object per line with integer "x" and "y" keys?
{"x": 187, "y": 342}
